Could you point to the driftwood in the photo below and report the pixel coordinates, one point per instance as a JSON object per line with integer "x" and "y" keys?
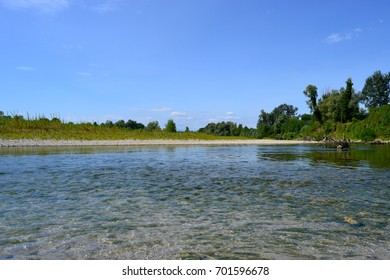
{"x": 379, "y": 142}
{"x": 339, "y": 144}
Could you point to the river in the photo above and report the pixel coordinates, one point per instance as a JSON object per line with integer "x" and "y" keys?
{"x": 195, "y": 202}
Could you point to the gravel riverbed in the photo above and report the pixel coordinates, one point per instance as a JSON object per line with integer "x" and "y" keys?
{"x": 134, "y": 142}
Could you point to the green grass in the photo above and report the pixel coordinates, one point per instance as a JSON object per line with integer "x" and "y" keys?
{"x": 19, "y": 128}
{"x": 110, "y": 135}
{"x": 375, "y": 126}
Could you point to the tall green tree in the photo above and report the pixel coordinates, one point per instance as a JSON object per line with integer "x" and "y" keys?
{"x": 312, "y": 94}
{"x": 170, "y": 126}
{"x": 120, "y": 124}
{"x": 282, "y": 111}
{"x": 328, "y": 104}
{"x": 341, "y": 105}
{"x": 345, "y": 100}
{"x": 270, "y": 123}
{"x": 130, "y": 124}
{"x": 154, "y": 125}
{"x": 376, "y": 91}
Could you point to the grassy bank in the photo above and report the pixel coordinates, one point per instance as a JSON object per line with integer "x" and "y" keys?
{"x": 375, "y": 126}
{"x": 42, "y": 128}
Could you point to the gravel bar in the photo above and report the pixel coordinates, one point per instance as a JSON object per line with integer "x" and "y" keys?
{"x": 134, "y": 142}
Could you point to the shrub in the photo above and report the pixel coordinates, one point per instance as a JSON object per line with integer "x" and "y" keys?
{"x": 170, "y": 126}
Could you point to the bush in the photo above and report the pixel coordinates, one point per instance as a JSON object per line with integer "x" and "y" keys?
{"x": 292, "y": 127}
{"x": 263, "y": 131}
{"x": 152, "y": 126}
{"x": 289, "y": 136}
{"x": 170, "y": 126}
{"x": 366, "y": 134}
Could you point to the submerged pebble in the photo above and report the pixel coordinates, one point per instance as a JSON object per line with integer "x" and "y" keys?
{"x": 351, "y": 221}
{"x": 188, "y": 202}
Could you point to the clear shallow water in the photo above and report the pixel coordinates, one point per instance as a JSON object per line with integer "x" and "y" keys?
{"x": 229, "y": 202}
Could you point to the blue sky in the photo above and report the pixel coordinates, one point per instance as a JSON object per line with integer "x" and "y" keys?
{"x": 195, "y": 61}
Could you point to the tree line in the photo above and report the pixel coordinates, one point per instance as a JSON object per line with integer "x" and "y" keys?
{"x": 170, "y": 126}
{"x": 16, "y": 121}
{"x": 336, "y": 111}
{"x": 328, "y": 114}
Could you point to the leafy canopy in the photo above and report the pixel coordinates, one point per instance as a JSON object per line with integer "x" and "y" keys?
{"x": 376, "y": 91}
{"x": 170, "y": 126}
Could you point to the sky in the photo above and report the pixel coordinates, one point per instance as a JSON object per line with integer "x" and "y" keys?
{"x": 193, "y": 61}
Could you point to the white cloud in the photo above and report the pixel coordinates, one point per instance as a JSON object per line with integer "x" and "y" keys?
{"x": 181, "y": 115}
{"x": 44, "y": 6}
{"x": 107, "y": 6}
{"x": 229, "y": 116}
{"x": 163, "y": 109}
{"x": 337, "y": 37}
{"x": 25, "y": 68}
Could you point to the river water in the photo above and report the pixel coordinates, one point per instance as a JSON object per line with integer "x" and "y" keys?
{"x": 197, "y": 202}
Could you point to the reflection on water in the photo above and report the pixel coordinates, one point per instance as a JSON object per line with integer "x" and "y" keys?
{"x": 232, "y": 202}
{"x": 374, "y": 156}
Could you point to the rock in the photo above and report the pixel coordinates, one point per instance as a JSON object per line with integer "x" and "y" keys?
{"x": 351, "y": 221}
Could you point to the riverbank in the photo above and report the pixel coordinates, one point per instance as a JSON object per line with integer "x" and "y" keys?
{"x": 134, "y": 142}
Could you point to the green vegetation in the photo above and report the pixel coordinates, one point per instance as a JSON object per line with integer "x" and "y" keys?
{"x": 336, "y": 113}
{"x": 229, "y": 129}
{"x": 375, "y": 126}
{"x": 376, "y": 91}
{"x": 153, "y": 126}
{"x": 18, "y": 127}
{"x": 311, "y": 92}
{"x": 170, "y": 126}
{"x": 270, "y": 124}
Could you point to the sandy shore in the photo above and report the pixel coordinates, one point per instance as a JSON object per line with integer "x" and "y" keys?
{"x": 132, "y": 142}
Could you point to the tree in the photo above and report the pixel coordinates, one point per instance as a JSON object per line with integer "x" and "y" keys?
{"x": 306, "y": 117}
{"x": 265, "y": 119}
{"x": 328, "y": 104}
{"x": 154, "y": 125}
{"x": 311, "y": 93}
{"x": 108, "y": 123}
{"x": 282, "y": 111}
{"x": 222, "y": 129}
{"x": 272, "y": 122}
{"x": 376, "y": 91}
{"x": 130, "y": 124}
{"x": 345, "y": 99}
{"x": 120, "y": 124}
{"x": 340, "y": 105}
{"x": 170, "y": 126}
{"x": 291, "y": 128}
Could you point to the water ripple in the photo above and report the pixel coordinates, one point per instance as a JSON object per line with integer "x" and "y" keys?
{"x": 194, "y": 203}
